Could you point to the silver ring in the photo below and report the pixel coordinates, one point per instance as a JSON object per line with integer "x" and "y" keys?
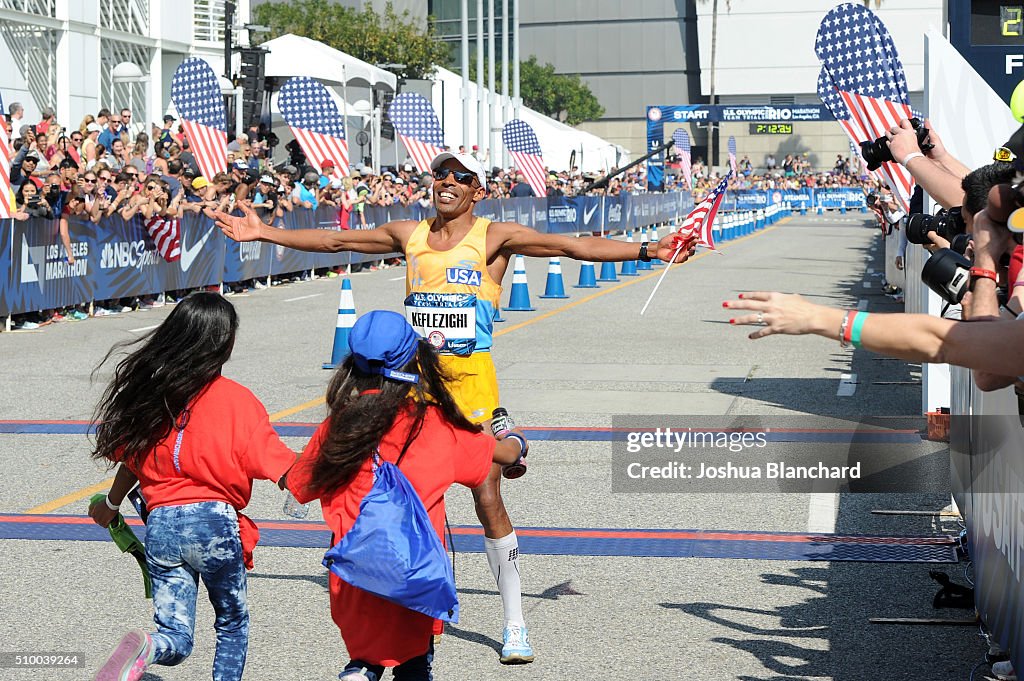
{"x": 760, "y": 318}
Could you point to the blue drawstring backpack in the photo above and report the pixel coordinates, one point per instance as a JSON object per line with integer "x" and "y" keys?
{"x": 392, "y": 550}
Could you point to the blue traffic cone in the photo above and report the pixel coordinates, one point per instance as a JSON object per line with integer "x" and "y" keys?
{"x": 346, "y": 320}
{"x": 588, "y": 278}
{"x": 842, "y": 208}
{"x": 628, "y": 266}
{"x": 519, "y": 299}
{"x": 607, "y": 270}
{"x": 554, "y": 288}
{"x": 652, "y": 237}
{"x": 803, "y": 208}
{"x": 498, "y": 319}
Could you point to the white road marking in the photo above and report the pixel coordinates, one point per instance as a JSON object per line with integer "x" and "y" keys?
{"x": 862, "y": 304}
{"x": 143, "y": 328}
{"x": 397, "y": 278}
{"x": 312, "y": 295}
{"x": 822, "y": 510}
{"x": 847, "y": 385}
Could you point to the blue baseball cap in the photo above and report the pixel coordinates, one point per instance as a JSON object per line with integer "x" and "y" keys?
{"x": 382, "y": 342}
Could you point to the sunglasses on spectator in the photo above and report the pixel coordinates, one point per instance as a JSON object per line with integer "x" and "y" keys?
{"x": 88, "y": 181}
{"x": 150, "y": 187}
{"x": 104, "y": 178}
{"x": 76, "y": 139}
{"x": 462, "y": 177}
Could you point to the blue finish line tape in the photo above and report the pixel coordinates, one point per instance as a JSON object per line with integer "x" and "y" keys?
{"x": 642, "y": 543}
{"x": 537, "y": 434}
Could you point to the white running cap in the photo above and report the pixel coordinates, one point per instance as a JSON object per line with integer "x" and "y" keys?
{"x": 465, "y": 160}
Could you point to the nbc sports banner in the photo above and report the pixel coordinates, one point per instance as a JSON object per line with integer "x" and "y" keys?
{"x": 316, "y": 123}
{"x": 196, "y": 94}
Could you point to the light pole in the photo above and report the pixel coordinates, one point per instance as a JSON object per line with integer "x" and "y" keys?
{"x": 129, "y": 73}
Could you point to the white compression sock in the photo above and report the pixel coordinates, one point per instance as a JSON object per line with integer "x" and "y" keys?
{"x": 503, "y": 557}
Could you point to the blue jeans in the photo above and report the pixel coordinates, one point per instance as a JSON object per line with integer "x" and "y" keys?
{"x": 416, "y": 669}
{"x": 184, "y": 543}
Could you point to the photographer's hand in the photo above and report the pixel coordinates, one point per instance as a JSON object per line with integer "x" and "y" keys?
{"x": 903, "y": 141}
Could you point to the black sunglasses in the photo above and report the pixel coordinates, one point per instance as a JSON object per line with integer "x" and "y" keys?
{"x": 461, "y": 176}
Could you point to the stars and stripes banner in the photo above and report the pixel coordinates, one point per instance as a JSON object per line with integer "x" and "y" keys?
{"x": 702, "y": 216}
{"x": 196, "y": 94}
{"x": 863, "y": 84}
{"x": 316, "y": 123}
{"x": 7, "y": 206}
{"x": 682, "y": 140}
{"x": 732, "y": 154}
{"x": 521, "y": 141}
{"x": 166, "y": 234}
{"x": 416, "y": 123}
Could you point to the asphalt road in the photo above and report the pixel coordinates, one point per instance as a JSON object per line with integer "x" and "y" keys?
{"x": 577, "y": 362}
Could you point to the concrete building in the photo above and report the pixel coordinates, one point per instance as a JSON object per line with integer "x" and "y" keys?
{"x": 62, "y": 53}
{"x": 658, "y": 52}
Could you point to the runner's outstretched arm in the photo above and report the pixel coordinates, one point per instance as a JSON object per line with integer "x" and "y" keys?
{"x": 249, "y": 227}
{"x": 522, "y": 240}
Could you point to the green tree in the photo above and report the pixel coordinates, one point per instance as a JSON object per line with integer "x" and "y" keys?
{"x": 372, "y": 37}
{"x": 552, "y": 93}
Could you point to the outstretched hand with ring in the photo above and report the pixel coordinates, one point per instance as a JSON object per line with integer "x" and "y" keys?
{"x": 776, "y": 313}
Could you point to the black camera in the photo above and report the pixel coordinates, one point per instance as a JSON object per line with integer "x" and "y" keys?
{"x": 871, "y": 199}
{"x": 945, "y": 223}
{"x": 948, "y": 274}
{"x": 878, "y": 152}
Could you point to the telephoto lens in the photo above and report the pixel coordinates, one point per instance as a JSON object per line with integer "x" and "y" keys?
{"x": 878, "y": 152}
{"x": 946, "y": 223}
{"x": 948, "y": 274}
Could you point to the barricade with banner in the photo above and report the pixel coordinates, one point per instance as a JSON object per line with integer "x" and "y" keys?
{"x": 117, "y": 259}
{"x": 807, "y": 197}
{"x": 987, "y": 476}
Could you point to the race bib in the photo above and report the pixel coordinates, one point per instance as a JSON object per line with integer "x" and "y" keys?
{"x": 446, "y": 320}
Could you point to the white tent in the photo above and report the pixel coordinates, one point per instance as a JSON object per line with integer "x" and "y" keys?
{"x": 293, "y": 55}
{"x": 557, "y": 140}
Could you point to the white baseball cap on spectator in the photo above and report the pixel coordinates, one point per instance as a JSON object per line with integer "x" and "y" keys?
{"x": 267, "y": 179}
{"x": 335, "y": 184}
{"x": 465, "y": 160}
{"x": 93, "y": 127}
{"x": 407, "y": 168}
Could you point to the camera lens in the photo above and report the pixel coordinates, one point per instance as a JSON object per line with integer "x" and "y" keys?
{"x": 948, "y": 274}
{"x": 876, "y": 153}
{"x": 918, "y": 226}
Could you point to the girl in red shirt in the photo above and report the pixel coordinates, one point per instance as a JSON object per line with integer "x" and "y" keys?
{"x": 195, "y": 441}
{"x": 390, "y": 396}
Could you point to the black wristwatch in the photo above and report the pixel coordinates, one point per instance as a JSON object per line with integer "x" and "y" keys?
{"x": 644, "y": 257}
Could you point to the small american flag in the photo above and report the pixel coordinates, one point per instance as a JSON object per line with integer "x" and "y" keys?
{"x": 314, "y": 119}
{"x": 682, "y": 140}
{"x": 166, "y": 234}
{"x": 7, "y": 206}
{"x": 862, "y": 82}
{"x": 196, "y": 94}
{"x": 732, "y": 154}
{"x": 521, "y": 142}
{"x": 702, "y": 216}
{"x": 416, "y": 123}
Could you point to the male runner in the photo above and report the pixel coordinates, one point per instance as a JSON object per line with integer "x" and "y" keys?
{"x": 453, "y": 285}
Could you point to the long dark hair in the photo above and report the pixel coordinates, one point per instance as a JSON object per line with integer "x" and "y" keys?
{"x": 360, "y": 419}
{"x": 153, "y": 386}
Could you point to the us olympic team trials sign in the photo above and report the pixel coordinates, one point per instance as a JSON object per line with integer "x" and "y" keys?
{"x": 657, "y": 116}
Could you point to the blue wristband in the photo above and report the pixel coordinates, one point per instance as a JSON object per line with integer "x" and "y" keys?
{"x": 522, "y": 442}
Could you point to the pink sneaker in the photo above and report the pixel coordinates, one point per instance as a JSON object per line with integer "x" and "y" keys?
{"x": 129, "y": 660}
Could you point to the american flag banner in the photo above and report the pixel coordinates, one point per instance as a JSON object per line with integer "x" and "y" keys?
{"x": 521, "y": 142}
{"x": 314, "y": 119}
{"x": 732, "y": 154}
{"x": 166, "y": 234}
{"x": 862, "y": 82}
{"x": 196, "y": 94}
{"x": 7, "y": 206}
{"x": 702, "y": 216}
{"x": 416, "y": 123}
{"x": 682, "y": 140}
